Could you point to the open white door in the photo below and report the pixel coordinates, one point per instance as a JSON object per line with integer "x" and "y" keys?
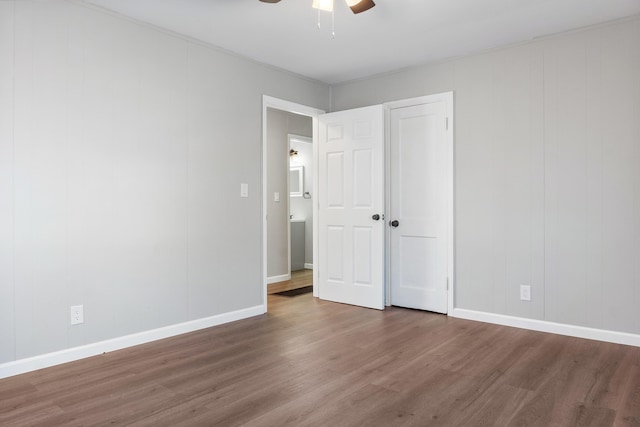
{"x": 351, "y": 207}
{"x": 418, "y": 215}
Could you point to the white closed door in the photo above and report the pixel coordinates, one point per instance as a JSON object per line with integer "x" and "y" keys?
{"x": 351, "y": 201}
{"x": 418, "y": 207}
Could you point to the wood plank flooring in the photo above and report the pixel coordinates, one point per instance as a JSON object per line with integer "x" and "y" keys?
{"x": 299, "y": 279}
{"x": 314, "y": 363}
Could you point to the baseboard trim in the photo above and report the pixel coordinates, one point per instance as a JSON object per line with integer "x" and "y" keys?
{"x": 551, "y": 327}
{"x": 276, "y": 279}
{"x": 308, "y": 266}
{"x": 22, "y": 366}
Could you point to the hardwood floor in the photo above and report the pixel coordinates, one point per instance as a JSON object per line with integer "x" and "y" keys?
{"x": 299, "y": 279}
{"x": 314, "y": 363}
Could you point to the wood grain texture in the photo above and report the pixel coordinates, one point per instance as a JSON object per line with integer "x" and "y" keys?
{"x": 299, "y": 279}
{"x": 314, "y": 363}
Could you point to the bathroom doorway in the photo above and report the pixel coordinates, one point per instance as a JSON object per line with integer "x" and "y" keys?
{"x": 300, "y": 202}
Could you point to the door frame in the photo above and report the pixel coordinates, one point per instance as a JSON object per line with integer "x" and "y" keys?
{"x": 303, "y": 110}
{"x": 448, "y": 99}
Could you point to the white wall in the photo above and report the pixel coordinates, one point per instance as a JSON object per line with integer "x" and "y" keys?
{"x": 547, "y": 183}
{"x": 279, "y": 125}
{"x": 121, "y": 158}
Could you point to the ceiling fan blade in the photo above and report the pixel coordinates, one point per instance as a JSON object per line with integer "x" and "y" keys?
{"x": 360, "y": 6}
{"x": 270, "y": 1}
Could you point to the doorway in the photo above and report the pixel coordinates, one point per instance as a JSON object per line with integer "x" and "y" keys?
{"x": 301, "y": 166}
{"x": 288, "y": 188}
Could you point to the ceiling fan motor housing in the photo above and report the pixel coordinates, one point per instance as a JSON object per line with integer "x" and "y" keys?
{"x": 355, "y": 5}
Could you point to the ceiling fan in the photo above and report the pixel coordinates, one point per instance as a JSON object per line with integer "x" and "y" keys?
{"x": 356, "y": 6}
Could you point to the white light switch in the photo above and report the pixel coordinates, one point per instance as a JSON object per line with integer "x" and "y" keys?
{"x": 276, "y": 197}
{"x": 244, "y": 190}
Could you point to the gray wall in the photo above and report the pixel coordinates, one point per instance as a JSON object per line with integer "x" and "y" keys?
{"x": 122, "y": 149}
{"x": 279, "y": 125}
{"x": 7, "y": 338}
{"x": 121, "y": 158}
{"x": 547, "y": 182}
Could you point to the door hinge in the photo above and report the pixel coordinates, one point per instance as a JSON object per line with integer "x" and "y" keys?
{"x": 446, "y": 123}
{"x": 447, "y": 283}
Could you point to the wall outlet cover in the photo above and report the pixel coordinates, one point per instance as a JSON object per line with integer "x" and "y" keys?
{"x": 77, "y": 314}
{"x": 525, "y": 293}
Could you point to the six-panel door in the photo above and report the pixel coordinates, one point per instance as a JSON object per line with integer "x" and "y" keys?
{"x": 351, "y": 194}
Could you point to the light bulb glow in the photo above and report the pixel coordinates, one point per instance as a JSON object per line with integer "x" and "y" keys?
{"x": 326, "y": 5}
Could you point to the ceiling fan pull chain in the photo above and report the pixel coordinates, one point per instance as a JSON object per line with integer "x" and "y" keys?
{"x": 333, "y": 24}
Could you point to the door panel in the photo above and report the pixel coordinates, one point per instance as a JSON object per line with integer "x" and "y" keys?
{"x": 351, "y": 192}
{"x": 362, "y": 254}
{"x": 335, "y": 180}
{"x": 335, "y": 254}
{"x": 418, "y": 247}
{"x": 362, "y": 179}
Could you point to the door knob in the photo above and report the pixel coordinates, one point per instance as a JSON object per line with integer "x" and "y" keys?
{"x": 394, "y": 223}
{"x": 375, "y": 217}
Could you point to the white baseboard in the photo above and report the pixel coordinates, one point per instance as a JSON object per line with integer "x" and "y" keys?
{"x": 308, "y": 266}
{"x": 69, "y": 355}
{"x": 276, "y": 279}
{"x": 544, "y": 326}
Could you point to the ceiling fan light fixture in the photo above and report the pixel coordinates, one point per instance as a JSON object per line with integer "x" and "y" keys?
{"x": 326, "y": 5}
{"x": 358, "y": 6}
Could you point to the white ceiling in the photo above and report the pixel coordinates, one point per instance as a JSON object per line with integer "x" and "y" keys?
{"x": 394, "y": 34}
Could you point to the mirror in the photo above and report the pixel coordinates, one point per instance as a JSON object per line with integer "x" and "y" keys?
{"x": 296, "y": 181}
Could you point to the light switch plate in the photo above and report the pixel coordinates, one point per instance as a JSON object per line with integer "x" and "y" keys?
{"x": 244, "y": 190}
{"x": 525, "y": 293}
{"x": 276, "y": 197}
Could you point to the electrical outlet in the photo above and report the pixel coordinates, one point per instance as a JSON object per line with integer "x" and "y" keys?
{"x": 77, "y": 314}
{"x": 525, "y": 293}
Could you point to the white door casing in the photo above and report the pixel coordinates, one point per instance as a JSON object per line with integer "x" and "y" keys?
{"x": 418, "y": 185}
{"x": 350, "y": 195}
{"x": 313, "y": 113}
